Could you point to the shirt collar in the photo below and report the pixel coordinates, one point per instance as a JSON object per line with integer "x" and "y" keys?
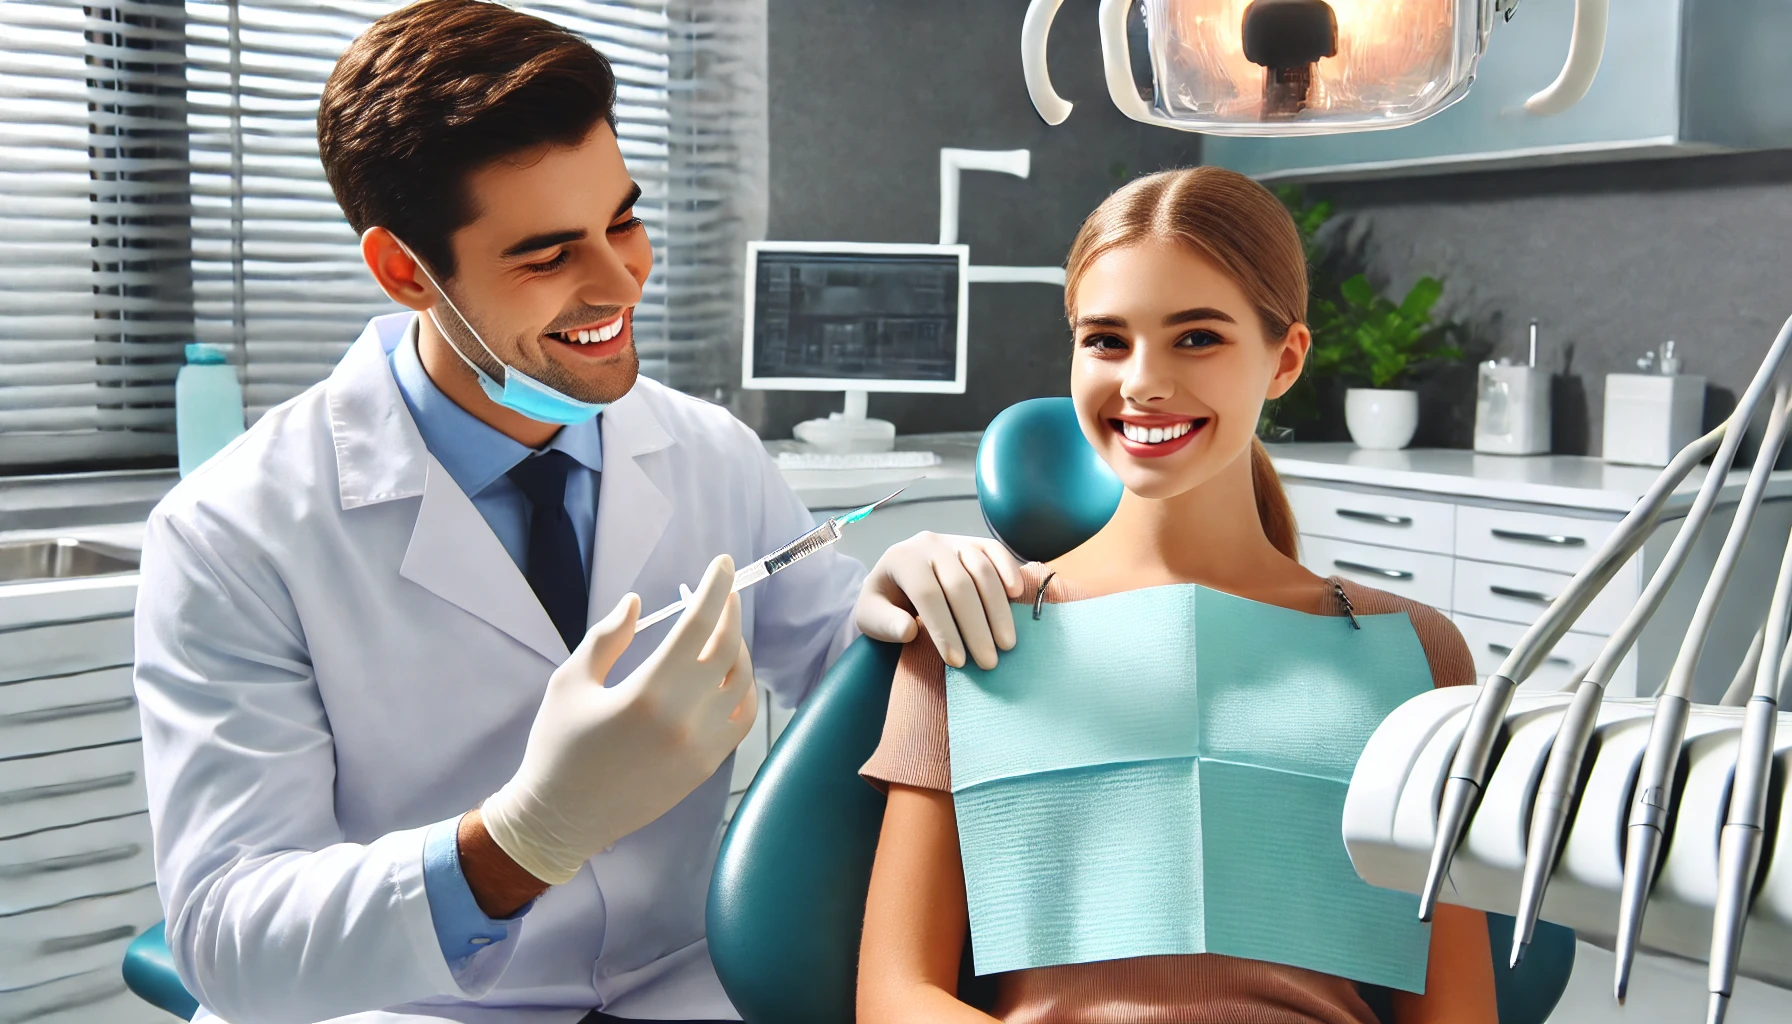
{"x": 474, "y": 453}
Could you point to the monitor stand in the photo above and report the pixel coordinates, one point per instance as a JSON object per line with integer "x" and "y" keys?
{"x": 849, "y": 431}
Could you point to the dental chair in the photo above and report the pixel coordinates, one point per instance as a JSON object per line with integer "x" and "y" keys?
{"x": 788, "y": 897}
{"x": 149, "y": 972}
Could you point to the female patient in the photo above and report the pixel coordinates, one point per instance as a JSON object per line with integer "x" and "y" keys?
{"x": 1185, "y": 293}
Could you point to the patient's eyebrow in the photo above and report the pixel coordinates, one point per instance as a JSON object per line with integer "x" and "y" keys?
{"x": 1098, "y": 320}
{"x": 1187, "y": 316}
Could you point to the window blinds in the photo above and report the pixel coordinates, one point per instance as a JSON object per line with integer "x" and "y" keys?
{"x": 159, "y": 183}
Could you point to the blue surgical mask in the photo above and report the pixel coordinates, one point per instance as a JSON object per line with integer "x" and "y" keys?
{"x": 520, "y": 392}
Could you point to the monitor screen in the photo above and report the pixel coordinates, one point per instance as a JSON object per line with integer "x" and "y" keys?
{"x": 842, "y": 316}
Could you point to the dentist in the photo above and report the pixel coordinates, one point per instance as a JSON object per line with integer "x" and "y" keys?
{"x": 395, "y": 773}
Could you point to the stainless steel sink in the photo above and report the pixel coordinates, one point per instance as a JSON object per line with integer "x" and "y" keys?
{"x": 59, "y": 558}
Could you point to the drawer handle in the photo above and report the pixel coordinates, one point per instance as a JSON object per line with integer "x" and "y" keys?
{"x": 1381, "y": 518}
{"x": 70, "y": 943}
{"x": 57, "y": 789}
{"x": 1534, "y": 596}
{"x": 85, "y": 997}
{"x": 1555, "y": 659}
{"x": 71, "y": 862}
{"x": 1554, "y": 540}
{"x": 1390, "y": 574}
{"x": 57, "y": 714}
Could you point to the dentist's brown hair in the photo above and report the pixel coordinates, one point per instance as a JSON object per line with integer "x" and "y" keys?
{"x": 1244, "y": 230}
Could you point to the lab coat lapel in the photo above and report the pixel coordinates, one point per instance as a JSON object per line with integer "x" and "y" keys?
{"x": 632, "y": 511}
{"x": 454, "y": 555}
{"x": 381, "y": 457}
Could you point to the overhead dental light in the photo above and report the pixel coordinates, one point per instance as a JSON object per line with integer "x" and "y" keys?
{"x": 1301, "y": 67}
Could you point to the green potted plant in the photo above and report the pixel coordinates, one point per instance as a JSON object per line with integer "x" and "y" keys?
{"x": 1364, "y": 341}
{"x": 1389, "y": 340}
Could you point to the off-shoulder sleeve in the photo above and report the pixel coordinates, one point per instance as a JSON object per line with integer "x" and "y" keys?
{"x": 913, "y": 751}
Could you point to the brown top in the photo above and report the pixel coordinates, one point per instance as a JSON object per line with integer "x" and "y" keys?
{"x": 1153, "y": 989}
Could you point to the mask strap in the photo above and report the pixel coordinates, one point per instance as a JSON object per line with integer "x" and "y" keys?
{"x": 468, "y": 324}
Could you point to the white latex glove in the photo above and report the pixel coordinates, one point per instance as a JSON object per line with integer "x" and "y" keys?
{"x": 604, "y": 761}
{"x": 958, "y": 586}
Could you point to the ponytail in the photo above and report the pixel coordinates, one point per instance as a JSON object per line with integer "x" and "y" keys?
{"x": 1273, "y": 510}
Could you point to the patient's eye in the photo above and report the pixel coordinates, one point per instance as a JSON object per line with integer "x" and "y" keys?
{"x": 1103, "y": 342}
{"x": 1199, "y": 339}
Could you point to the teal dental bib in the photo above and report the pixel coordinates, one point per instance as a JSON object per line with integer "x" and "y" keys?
{"x": 1163, "y": 771}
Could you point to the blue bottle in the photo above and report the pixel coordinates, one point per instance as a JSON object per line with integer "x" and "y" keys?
{"x": 208, "y": 405}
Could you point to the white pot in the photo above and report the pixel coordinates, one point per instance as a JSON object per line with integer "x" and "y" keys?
{"x": 1381, "y": 419}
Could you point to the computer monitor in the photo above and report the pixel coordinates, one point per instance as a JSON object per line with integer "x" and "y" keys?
{"x": 855, "y": 317}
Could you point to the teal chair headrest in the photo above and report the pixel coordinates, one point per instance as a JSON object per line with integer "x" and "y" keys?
{"x": 1042, "y": 488}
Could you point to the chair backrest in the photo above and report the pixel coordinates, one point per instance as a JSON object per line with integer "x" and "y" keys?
{"x": 788, "y": 899}
{"x": 1042, "y": 488}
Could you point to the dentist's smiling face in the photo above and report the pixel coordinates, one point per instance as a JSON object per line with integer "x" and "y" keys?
{"x": 1171, "y": 366}
{"x": 551, "y": 268}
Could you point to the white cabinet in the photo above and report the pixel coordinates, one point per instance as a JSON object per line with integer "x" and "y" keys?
{"x": 1492, "y": 541}
{"x": 77, "y": 871}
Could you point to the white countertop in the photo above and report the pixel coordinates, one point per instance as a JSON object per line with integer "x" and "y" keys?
{"x": 1571, "y": 481}
{"x": 1575, "y": 481}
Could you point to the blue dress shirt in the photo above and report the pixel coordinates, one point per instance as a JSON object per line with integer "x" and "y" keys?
{"x": 477, "y": 457}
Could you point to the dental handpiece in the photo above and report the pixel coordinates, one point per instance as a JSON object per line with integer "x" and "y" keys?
{"x": 1646, "y": 825}
{"x": 1739, "y": 844}
{"x": 1549, "y": 815}
{"x": 1471, "y": 764}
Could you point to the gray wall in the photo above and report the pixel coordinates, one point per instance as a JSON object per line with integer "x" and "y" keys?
{"x": 863, "y": 95}
{"x": 1611, "y": 260}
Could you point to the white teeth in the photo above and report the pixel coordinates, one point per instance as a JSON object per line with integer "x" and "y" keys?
{"x": 1155, "y": 435}
{"x": 604, "y": 333}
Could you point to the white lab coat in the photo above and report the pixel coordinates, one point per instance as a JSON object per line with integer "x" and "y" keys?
{"x": 334, "y": 651}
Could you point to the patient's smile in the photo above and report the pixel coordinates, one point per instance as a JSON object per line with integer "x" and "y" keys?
{"x": 1156, "y": 436}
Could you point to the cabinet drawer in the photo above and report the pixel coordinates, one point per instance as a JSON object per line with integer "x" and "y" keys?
{"x": 73, "y": 938}
{"x": 86, "y": 709}
{"x": 54, "y": 790}
{"x": 1418, "y": 575}
{"x": 64, "y": 647}
{"x": 1490, "y": 641}
{"x": 1557, "y": 543}
{"x": 62, "y": 864}
{"x": 1515, "y": 593}
{"x": 1373, "y": 518}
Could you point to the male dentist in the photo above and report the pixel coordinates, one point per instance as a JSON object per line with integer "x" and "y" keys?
{"x": 395, "y": 773}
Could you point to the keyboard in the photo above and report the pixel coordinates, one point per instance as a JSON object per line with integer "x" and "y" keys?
{"x": 857, "y": 460}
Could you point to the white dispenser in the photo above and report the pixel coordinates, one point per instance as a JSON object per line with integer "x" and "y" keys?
{"x": 1512, "y": 407}
{"x": 1649, "y": 417}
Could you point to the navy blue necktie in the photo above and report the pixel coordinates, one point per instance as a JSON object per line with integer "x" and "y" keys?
{"x": 556, "y": 570}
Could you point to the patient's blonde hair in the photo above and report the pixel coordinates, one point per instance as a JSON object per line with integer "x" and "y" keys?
{"x": 1244, "y": 230}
